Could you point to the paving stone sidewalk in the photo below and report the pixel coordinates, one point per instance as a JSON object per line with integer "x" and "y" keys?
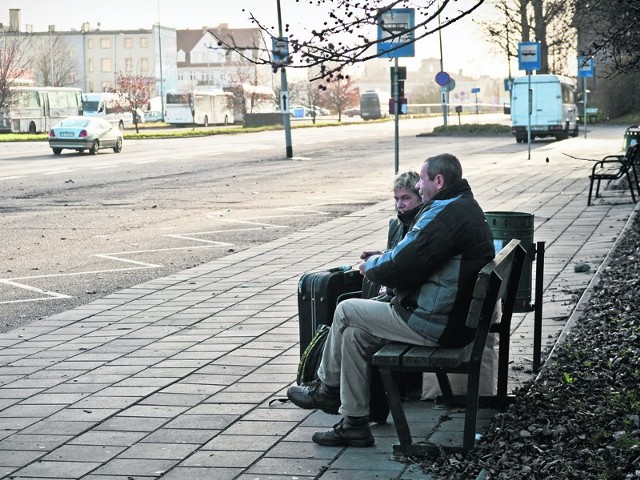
{"x": 173, "y": 378}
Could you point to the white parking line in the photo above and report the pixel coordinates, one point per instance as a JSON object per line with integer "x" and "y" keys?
{"x": 49, "y": 295}
{"x": 57, "y": 172}
{"x": 12, "y": 178}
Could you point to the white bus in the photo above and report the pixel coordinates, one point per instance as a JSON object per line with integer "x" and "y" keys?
{"x": 209, "y": 106}
{"x": 113, "y": 107}
{"x": 37, "y": 109}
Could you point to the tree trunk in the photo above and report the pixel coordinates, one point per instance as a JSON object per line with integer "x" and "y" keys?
{"x": 540, "y": 30}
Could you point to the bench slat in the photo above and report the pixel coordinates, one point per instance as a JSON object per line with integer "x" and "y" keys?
{"x": 390, "y": 355}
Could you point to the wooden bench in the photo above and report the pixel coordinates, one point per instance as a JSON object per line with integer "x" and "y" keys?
{"x": 497, "y": 282}
{"x": 616, "y": 167}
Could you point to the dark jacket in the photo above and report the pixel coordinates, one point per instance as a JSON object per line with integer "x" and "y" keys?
{"x": 434, "y": 268}
{"x": 399, "y": 226}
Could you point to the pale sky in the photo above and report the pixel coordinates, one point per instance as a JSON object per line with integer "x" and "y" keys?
{"x": 463, "y": 44}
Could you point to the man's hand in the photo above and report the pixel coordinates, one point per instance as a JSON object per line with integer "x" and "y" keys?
{"x": 369, "y": 253}
{"x": 361, "y": 268}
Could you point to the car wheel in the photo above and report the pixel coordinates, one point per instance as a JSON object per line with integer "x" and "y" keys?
{"x": 57, "y": 151}
{"x": 118, "y": 147}
{"x": 94, "y": 147}
{"x": 206, "y": 121}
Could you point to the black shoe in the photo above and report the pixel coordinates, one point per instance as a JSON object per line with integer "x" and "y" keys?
{"x": 344, "y": 433}
{"x": 315, "y": 395}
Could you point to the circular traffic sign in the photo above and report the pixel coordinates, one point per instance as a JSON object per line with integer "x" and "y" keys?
{"x": 442, "y": 78}
{"x": 451, "y": 84}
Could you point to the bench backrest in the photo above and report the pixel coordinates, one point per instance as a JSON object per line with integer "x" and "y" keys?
{"x": 497, "y": 282}
{"x": 630, "y": 159}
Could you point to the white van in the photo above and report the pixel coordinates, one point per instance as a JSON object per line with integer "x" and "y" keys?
{"x": 112, "y": 107}
{"x": 554, "y": 112}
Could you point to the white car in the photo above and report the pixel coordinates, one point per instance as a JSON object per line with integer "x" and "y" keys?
{"x": 84, "y": 133}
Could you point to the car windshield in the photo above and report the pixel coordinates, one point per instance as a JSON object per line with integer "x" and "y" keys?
{"x": 75, "y": 123}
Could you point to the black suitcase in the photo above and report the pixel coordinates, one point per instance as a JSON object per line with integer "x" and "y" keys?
{"x": 318, "y": 295}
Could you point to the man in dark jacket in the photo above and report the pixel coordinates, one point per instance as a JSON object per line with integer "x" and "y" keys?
{"x": 432, "y": 271}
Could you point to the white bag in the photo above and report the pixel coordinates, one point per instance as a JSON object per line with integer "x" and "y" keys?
{"x": 488, "y": 372}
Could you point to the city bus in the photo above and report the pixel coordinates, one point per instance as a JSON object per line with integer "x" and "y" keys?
{"x": 37, "y": 109}
{"x": 209, "y": 107}
{"x": 113, "y": 107}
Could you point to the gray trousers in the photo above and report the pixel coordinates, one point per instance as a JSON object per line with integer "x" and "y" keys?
{"x": 360, "y": 327}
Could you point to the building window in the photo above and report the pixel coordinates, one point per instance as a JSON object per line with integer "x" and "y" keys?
{"x": 90, "y": 43}
{"x": 105, "y": 65}
{"x": 144, "y": 65}
{"x": 105, "y": 43}
{"x": 128, "y": 65}
{"x": 90, "y": 65}
{"x": 182, "y": 56}
{"x": 91, "y": 86}
{"x": 128, "y": 42}
{"x": 144, "y": 42}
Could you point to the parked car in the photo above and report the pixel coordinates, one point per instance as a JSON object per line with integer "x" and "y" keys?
{"x": 352, "y": 112}
{"x": 139, "y": 116}
{"x": 84, "y": 133}
{"x": 153, "y": 116}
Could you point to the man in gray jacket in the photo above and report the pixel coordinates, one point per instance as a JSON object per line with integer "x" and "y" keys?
{"x": 432, "y": 272}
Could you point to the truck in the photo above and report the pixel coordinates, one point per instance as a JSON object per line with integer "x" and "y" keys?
{"x": 554, "y": 112}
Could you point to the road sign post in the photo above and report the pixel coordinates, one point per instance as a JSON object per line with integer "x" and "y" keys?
{"x": 396, "y": 39}
{"x": 585, "y": 70}
{"x": 529, "y": 59}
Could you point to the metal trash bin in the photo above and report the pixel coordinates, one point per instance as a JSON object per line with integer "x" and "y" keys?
{"x": 631, "y": 136}
{"x": 505, "y": 226}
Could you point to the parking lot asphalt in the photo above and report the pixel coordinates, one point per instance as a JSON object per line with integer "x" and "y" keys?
{"x": 174, "y": 378}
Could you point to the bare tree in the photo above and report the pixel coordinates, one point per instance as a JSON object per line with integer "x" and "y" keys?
{"x": 341, "y": 94}
{"x": 349, "y": 33}
{"x": 134, "y": 92}
{"x": 53, "y": 61}
{"x": 610, "y": 31}
{"x": 550, "y": 22}
{"x": 14, "y": 64}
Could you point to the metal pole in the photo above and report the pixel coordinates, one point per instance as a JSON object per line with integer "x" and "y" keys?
{"x": 529, "y": 115}
{"x": 584, "y": 113}
{"x": 537, "y": 318}
{"x": 286, "y": 117}
{"x": 444, "y": 91}
{"x": 396, "y": 111}
{"x": 160, "y": 63}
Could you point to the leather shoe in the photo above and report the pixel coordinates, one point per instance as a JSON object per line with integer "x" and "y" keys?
{"x": 345, "y": 433}
{"x": 315, "y": 395}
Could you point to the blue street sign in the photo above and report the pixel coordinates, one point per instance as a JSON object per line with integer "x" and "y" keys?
{"x": 475, "y": 90}
{"x": 442, "y": 78}
{"x": 395, "y": 31}
{"x": 529, "y": 56}
{"x": 586, "y": 67}
{"x": 280, "y": 50}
